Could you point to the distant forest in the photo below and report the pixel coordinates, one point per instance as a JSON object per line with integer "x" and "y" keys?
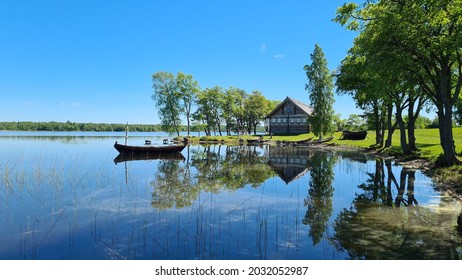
{"x": 95, "y": 127}
{"x": 72, "y": 126}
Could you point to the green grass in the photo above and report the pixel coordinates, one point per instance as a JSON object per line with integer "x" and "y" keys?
{"x": 428, "y": 141}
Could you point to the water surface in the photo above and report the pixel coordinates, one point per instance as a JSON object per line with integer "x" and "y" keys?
{"x": 63, "y": 197}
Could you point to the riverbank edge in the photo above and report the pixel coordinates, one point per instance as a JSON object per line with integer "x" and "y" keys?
{"x": 449, "y": 186}
{"x": 447, "y": 179}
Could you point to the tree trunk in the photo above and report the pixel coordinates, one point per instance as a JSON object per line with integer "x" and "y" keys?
{"x": 402, "y": 131}
{"x": 189, "y": 124}
{"x": 445, "y": 118}
{"x": 176, "y": 127}
{"x": 447, "y": 138}
{"x": 378, "y": 125}
{"x": 391, "y": 127}
{"x": 412, "y": 117}
{"x": 411, "y": 133}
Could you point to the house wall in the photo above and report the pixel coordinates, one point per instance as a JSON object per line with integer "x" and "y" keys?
{"x": 288, "y": 119}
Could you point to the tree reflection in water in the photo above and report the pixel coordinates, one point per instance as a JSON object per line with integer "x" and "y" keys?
{"x": 210, "y": 169}
{"x": 385, "y": 219}
{"x": 319, "y": 200}
{"x": 378, "y": 227}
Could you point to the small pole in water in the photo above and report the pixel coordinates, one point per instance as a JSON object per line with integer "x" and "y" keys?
{"x": 126, "y": 134}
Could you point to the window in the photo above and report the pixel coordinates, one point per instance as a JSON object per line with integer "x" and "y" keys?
{"x": 288, "y": 109}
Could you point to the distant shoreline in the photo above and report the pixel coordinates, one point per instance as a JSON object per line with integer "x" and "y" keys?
{"x": 76, "y": 126}
{"x": 88, "y": 127}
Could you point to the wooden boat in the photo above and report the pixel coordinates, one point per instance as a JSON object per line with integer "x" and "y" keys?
{"x": 258, "y": 141}
{"x": 320, "y": 141}
{"x": 147, "y": 149}
{"x": 353, "y": 135}
{"x": 294, "y": 143}
{"x": 123, "y": 157}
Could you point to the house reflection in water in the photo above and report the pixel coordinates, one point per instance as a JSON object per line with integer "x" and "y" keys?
{"x": 289, "y": 163}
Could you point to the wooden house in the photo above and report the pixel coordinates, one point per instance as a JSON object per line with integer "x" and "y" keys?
{"x": 289, "y": 117}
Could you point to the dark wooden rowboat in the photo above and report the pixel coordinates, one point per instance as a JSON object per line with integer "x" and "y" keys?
{"x": 295, "y": 143}
{"x": 258, "y": 141}
{"x": 127, "y": 149}
{"x": 353, "y": 135}
{"x": 320, "y": 141}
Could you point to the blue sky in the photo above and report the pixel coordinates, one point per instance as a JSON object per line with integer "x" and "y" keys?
{"x": 92, "y": 60}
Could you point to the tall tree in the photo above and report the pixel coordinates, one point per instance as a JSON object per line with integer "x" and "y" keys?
{"x": 167, "y": 99}
{"x": 357, "y": 79}
{"x": 256, "y": 108}
{"x": 209, "y": 110}
{"x": 426, "y": 36}
{"x": 188, "y": 89}
{"x": 320, "y": 85}
{"x": 232, "y": 108}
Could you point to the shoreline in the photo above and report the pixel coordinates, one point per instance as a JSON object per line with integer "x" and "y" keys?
{"x": 428, "y": 168}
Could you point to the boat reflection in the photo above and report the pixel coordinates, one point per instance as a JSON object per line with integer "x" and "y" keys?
{"x": 124, "y": 157}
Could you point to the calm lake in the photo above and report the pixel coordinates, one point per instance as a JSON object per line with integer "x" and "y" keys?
{"x": 62, "y": 196}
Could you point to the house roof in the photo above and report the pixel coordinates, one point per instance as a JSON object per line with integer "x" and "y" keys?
{"x": 302, "y": 106}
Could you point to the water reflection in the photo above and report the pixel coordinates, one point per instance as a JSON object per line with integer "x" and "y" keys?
{"x": 209, "y": 169}
{"x": 289, "y": 163}
{"x": 70, "y": 201}
{"x": 146, "y": 156}
{"x": 319, "y": 202}
{"x": 385, "y": 222}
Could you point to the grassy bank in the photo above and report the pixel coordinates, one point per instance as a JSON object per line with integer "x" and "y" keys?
{"x": 428, "y": 142}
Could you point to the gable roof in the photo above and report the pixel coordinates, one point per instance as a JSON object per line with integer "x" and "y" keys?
{"x": 302, "y": 106}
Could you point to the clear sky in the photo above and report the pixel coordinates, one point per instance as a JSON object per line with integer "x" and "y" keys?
{"x": 92, "y": 60}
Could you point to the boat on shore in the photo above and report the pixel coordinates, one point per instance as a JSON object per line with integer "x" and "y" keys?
{"x": 320, "y": 141}
{"x": 148, "y": 149}
{"x": 258, "y": 141}
{"x": 306, "y": 142}
{"x": 353, "y": 135}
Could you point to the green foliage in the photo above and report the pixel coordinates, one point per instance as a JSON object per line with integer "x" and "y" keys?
{"x": 421, "y": 122}
{"x": 256, "y": 107}
{"x": 410, "y": 52}
{"x": 188, "y": 89}
{"x": 209, "y": 109}
{"x": 167, "y": 100}
{"x": 320, "y": 86}
{"x": 355, "y": 123}
{"x": 233, "y": 107}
